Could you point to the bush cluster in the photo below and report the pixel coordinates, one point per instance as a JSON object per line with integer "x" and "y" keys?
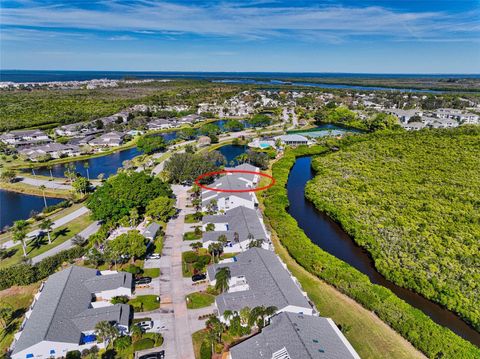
{"x": 25, "y": 274}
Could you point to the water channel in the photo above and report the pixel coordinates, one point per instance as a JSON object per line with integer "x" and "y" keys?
{"x": 329, "y": 236}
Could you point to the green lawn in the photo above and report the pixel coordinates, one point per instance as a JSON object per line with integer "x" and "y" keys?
{"x": 199, "y": 300}
{"x": 151, "y": 272}
{"x": 192, "y": 236}
{"x": 19, "y": 298}
{"x": 192, "y": 218}
{"x": 198, "y": 338}
{"x": 39, "y": 246}
{"x": 144, "y": 303}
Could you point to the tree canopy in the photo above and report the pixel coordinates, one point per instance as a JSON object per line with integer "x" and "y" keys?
{"x": 161, "y": 208}
{"x": 186, "y": 167}
{"x": 150, "y": 144}
{"x": 123, "y": 192}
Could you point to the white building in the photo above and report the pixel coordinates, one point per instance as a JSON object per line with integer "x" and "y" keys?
{"x": 24, "y": 137}
{"x": 259, "y": 278}
{"x": 292, "y": 140}
{"x": 65, "y": 312}
{"x": 223, "y": 201}
{"x": 240, "y": 226}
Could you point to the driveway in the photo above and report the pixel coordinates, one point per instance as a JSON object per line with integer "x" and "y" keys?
{"x": 48, "y": 184}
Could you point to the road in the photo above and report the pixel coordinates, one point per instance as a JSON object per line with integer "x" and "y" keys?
{"x": 173, "y": 245}
{"x": 58, "y": 223}
{"x": 86, "y": 233}
{"x": 48, "y": 184}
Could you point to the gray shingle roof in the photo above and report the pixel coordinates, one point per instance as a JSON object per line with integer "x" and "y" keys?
{"x": 302, "y": 336}
{"x": 63, "y": 309}
{"x": 269, "y": 282}
{"x": 241, "y": 220}
{"x": 151, "y": 230}
{"x": 233, "y": 181}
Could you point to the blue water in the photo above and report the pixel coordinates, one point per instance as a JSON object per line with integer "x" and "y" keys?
{"x": 231, "y": 152}
{"x": 15, "y": 206}
{"x": 108, "y": 165}
{"x": 49, "y": 75}
{"x": 273, "y": 78}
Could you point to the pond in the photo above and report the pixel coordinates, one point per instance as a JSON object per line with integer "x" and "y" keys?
{"x": 15, "y": 206}
{"x": 231, "y": 152}
{"x": 329, "y": 236}
{"x": 108, "y": 165}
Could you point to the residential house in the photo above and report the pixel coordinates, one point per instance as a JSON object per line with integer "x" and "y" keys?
{"x": 50, "y": 150}
{"x": 193, "y": 118}
{"x": 240, "y": 226}
{"x": 232, "y": 182}
{"x": 110, "y": 139}
{"x": 162, "y": 124}
{"x": 296, "y": 336}
{"x": 403, "y": 115}
{"x": 65, "y": 312}
{"x": 24, "y": 137}
{"x": 413, "y": 126}
{"x": 292, "y": 140}
{"x": 71, "y": 130}
{"x": 151, "y": 231}
{"x": 259, "y": 278}
{"x": 444, "y": 123}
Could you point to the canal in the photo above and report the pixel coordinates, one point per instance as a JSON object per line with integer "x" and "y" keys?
{"x": 329, "y": 236}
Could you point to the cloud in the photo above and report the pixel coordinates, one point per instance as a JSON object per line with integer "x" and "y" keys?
{"x": 253, "y": 21}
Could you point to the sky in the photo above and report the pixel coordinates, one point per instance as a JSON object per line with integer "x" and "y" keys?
{"x": 394, "y": 36}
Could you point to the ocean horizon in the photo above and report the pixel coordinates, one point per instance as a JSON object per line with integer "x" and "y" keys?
{"x": 11, "y": 75}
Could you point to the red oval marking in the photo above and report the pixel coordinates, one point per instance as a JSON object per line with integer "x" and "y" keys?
{"x": 208, "y": 174}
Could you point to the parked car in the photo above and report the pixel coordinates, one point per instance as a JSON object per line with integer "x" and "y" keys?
{"x": 154, "y": 256}
{"x": 145, "y": 325}
{"x": 197, "y": 277}
{"x": 143, "y": 280}
{"x": 155, "y": 355}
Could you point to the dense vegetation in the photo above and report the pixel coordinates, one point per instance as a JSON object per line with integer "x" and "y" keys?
{"x": 435, "y": 341}
{"x": 186, "y": 167}
{"x": 412, "y": 200}
{"x": 151, "y": 144}
{"x": 125, "y": 192}
{"x": 43, "y": 107}
{"x": 25, "y": 273}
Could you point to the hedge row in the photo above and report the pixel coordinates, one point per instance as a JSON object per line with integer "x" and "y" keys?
{"x": 427, "y": 336}
{"x": 25, "y": 274}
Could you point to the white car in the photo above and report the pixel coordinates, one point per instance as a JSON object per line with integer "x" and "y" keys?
{"x": 145, "y": 326}
{"x": 157, "y": 327}
{"x": 154, "y": 256}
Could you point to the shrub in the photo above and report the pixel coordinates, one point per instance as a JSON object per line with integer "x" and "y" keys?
{"x": 75, "y": 354}
{"x": 24, "y": 274}
{"x": 190, "y": 257}
{"x": 121, "y": 299}
{"x": 122, "y": 343}
{"x": 205, "y": 350}
{"x": 142, "y": 344}
{"x": 134, "y": 269}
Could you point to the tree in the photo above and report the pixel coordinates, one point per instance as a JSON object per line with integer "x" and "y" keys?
{"x": 42, "y": 188}
{"x": 134, "y": 216}
{"x": 20, "y": 233}
{"x": 196, "y": 246}
{"x": 6, "y": 312}
{"x": 255, "y": 243}
{"x": 161, "y": 208}
{"x": 187, "y": 133}
{"x": 186, "y": 167}
{"x": 222, "y": 278}
{"x": 7, "y": 175}
{"x": 120, "y": 193}
{"x": 130, "y": 244}
{"x": 210, "y": 129}
{"x": 215, "y": 249}
{"x": 106, "y": 331}
{"x": 47, "y": 225}
{"x": 260, "y": 120}
{"x": 70, "y": 172}
{"x": 78, "y": 240}
{"x": 223, "y": 240}
{"x": 233, "y": 125}
{"x": 86, "y": 165}
{"x": 151, "y": 143}
{"x": 81, "y": 185}
{"x": 210, "y": 227}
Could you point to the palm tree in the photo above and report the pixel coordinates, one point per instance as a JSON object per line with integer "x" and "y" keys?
{"x": 50, "y": 169}
{"x": 19, "y": 235}
{"x": 236, "y": 237}
{"x": 228, "y": 314}
{"x": 244, "y": 315}
{"x": 106, "y": 331}
{"x": 86, "y": 165}
{"x": 42, "y": 188}
{"x": 222, "y": 278}
{"x": 6, "y": 313}
{"x": 223, "y": 239}
{"x": 47, "y": 225}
